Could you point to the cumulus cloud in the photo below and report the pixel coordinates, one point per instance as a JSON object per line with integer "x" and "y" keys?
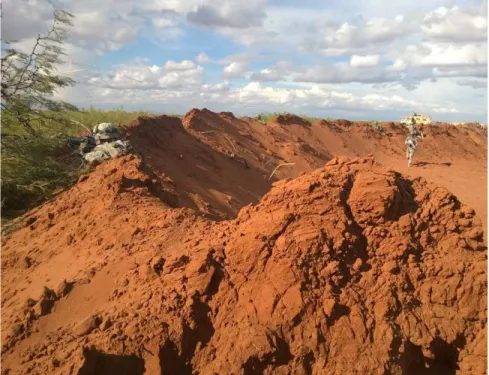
{"x": 443, "y": 54}
{"x": 479, "y": 71}
{"x": 456, "y": 25}
{"x": 346, "y": 73}
{"x": 229, "y": 14}
{"x": 358, "y": 61}
{"x": 474, "y": 83}
{"x": 235, "y": 69}
{"x": 362, "y": 36}
{"x": 326, "y": 45}
{"x": 27, "y": 20}
{"x": 275, "y": 73}
{"x": 172, "y": 74}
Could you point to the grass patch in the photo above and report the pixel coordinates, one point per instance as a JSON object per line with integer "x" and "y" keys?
{"x": 35, "y": 167}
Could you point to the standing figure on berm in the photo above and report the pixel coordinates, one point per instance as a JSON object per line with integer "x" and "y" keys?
{"x": 412, "y": 141}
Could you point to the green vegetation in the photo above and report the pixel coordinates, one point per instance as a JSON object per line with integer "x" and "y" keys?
{"x": 265, "y": 117}
{"x": 36, "y": 160}
{"x": 35, "y": 167}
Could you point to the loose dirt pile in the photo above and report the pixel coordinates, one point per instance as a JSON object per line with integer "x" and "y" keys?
{"x": 288, "y": 119}
{"x": 349, "y": 269}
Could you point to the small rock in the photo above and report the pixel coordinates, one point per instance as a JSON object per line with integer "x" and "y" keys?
{"x": 390, "y": 267}
{"x": 333, "y": 161}
{"x": 358, "y": 264}
{"x": 131, "y": 330}
{"x": 405, "y": 222}
{"x": 55, "y": 362}
{"x": 63, "y": 288}
{"x": 91, "y": 272}
{"x": 476, "y": 233}
{"x": 157, "y": 265}
{"x": 464, "y": 223}
{"x": 328, "y": 306}
{"x": 30, "y": 220}
{"x": 467, "y": 211}
{"x": 106, "y": 324}
{"x": 146, "y": 272}
{"x": 43, "y": 307}
{"x": 26, "y": 262}
{"x": 180, "y": 157}
{"x": 69, "y": 239}
{"x": 17, "y": 329}
{"x": 86, "y": 326}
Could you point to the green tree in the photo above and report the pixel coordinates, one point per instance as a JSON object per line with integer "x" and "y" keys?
{"x": 34, "y": 123}
{"x": 29, "y": 80}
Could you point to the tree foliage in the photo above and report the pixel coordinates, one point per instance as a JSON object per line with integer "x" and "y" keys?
{"x": 34, "y": 125}
{"x": 29, "y": 80}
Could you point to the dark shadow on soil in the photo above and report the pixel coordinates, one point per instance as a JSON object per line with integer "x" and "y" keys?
{"x": 98, "y": 363}
{"x": 424, "y": 163}
{"x": 171, "y": 362}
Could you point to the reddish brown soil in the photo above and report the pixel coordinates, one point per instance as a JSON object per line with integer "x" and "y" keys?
{"x": 288, "y": 119}
{"x": 163, "y": 266}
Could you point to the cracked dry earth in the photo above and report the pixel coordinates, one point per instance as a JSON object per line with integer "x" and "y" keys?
{"x": 349, "y": 269}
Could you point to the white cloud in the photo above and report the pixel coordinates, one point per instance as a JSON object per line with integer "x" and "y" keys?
{"x": 229, "y": 14}
{"x": 185, "y": 65}
{"x": 344, "y": 73}
{"x": 479, "y": 71}
{"x": 235, "y": 69}
{"x": 443, "y": 54}
{"x": 25, "y": 21}
{"x": 163, "y": 22}
{"x": 456, "y": 24}
{"x": 363, "y": 36}
{"x": 435, "y": 45}
{"x": 474, "y": 83}
{"x": 277, "y": 72}
{"x": 268, "y": 74}
{"x": 358, "y": 61}
{"x": 144, "y": 77}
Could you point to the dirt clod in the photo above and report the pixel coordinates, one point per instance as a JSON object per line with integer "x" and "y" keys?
{"x": 87, "y": 325}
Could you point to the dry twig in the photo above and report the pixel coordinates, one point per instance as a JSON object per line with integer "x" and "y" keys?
{"x": 278, "y": 166}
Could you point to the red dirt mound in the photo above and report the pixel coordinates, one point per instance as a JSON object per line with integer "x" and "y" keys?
{"x": 351, "y": 268}
{"x": 289, "y": 119}
{"x": 209, "y": 179}
{"x": 205, "y": 120}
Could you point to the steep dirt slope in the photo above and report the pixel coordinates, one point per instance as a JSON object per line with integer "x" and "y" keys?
{"x": 208, "y": 177}
{"x": 349, "y": 269}
{"x": 221, "y": 163}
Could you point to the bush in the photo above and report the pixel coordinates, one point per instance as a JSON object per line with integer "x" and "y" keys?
{"x": 35, "y": 167}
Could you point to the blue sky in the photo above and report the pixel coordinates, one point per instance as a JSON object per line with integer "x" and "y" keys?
{"x": 349, "y": 59}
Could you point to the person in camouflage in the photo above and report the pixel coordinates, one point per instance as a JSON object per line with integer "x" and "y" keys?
{"x": 412, "y": 141}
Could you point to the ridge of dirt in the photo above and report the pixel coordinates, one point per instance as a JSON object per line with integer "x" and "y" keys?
{"x": 289, "y": 119}
{"x": 350, "y": 268}
{"x": 150, "y": 264}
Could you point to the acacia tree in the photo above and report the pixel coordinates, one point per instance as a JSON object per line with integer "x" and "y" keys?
{"x": 29, "y": 80}
{"x": 33, "y": 121}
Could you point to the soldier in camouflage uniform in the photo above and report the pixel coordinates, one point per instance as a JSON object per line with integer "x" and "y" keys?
{"x": 412, "y": 141}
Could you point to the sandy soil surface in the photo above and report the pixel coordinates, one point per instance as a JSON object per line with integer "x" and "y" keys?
{"x": 192, "y": 260}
